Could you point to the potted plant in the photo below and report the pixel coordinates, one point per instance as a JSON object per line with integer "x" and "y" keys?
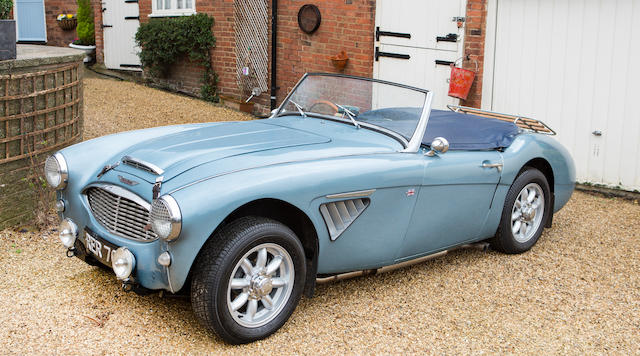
{"x": 86, "y": 40}
{"x": 7, "y": 31}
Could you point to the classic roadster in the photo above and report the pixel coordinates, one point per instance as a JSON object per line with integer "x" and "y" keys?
{"x": 348, "y": 176}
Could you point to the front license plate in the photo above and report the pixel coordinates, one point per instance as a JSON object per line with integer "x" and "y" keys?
{"x": 99, "y": 248}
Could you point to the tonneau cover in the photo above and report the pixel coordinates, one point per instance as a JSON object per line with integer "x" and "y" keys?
{"x": 463, "y": 131}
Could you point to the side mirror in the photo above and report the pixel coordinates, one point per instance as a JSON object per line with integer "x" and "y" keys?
{"x": 273, "y": 112}
{"x": 438, "y": 145}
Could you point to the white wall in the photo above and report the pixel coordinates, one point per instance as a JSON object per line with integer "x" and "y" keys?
{"x": 574, "y": 64}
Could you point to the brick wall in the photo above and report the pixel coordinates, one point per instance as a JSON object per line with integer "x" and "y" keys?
{"x": 346, "y": 25}
{"x": 56, "y": 36}
{"x": 475, "y": 29}
{"x": 97, "y": 25}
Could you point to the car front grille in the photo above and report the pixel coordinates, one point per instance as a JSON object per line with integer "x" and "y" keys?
{"x": 120, "y": 215}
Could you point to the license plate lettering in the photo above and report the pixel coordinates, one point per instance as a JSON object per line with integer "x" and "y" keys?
{"x": 94, "y": 245}
{"x": 102, "y": 249}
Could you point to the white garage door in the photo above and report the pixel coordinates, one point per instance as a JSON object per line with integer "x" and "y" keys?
{"x": 574, "y": 65}
{"x": 412, "y": 37}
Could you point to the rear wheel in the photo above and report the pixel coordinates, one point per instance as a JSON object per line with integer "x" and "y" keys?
{"x": 248, "y": 279}
{"x": 526, "y": 210}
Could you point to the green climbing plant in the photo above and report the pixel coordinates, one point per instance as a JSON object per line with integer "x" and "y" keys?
{"x": 85, "y": 28}
{"x": 5, "y": 9}
{"x": 164, "y": 40}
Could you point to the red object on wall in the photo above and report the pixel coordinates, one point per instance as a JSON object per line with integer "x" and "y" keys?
{"x": 460, "y": 82}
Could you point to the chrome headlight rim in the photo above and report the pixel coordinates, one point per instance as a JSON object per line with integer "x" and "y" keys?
{"x": 63, "y": 171}
{"x": 174, "y": 218}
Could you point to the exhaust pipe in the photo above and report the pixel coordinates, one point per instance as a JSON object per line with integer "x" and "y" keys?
{"x": 482, "y": 246}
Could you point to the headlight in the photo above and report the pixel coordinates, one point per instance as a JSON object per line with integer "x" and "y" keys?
{"x": 68, "y": 233}
{"x": 166, "y": 220}
{"x": 123, "y": 262}
{"x": 55, "y": 171}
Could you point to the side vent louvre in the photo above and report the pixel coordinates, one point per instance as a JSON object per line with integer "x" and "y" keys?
{"x": 339, "y": 215}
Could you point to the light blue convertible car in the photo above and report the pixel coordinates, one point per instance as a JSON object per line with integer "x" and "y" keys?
{"x": 349, "y": 176}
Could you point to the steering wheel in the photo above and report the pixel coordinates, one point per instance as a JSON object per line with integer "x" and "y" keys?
{"x": 331, "y": 105}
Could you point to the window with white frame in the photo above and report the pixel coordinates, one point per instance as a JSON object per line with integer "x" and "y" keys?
{"x": 173, "y": 7}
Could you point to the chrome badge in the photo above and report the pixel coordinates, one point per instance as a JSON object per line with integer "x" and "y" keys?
{"x": 411, "y": 192}
{"x": 127, "y": 181}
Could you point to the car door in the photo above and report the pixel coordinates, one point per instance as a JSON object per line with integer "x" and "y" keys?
{"x": 453, "y": 202}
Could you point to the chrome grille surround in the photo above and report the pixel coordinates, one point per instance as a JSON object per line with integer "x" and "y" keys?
{"x": 120, "y": 212}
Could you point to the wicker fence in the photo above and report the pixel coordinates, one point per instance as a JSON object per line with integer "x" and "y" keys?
{"x": 40, "y": 111}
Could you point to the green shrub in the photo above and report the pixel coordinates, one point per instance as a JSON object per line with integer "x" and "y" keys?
{"x": 5, "y": 9}
{"x": 85, "y": 29}
{"x": 164, "y": 40}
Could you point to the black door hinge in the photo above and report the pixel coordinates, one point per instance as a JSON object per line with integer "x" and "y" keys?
{"x": 390, "y": 34}
{"x": 452, "y": 37}
{"x": 379, "y": 54}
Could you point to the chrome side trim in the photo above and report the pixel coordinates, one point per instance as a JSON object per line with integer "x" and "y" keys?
{"x": 356, "y": 194}
{"x": 483, "y": 246}
{"x": 143, "y": 164}
{"x": 418, "y": 134}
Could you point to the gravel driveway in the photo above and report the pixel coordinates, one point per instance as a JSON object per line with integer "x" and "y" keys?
{"x": 577, "y": 291}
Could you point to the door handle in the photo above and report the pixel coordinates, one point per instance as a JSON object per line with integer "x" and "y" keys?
{"x": 497, "y": 166}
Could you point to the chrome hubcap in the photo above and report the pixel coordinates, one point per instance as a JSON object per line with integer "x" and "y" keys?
{"x": 527, "y": 212}
{"x": 260, "y": 285}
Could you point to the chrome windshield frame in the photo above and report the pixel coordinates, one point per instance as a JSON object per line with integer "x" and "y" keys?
{"x": 410, "y": 146}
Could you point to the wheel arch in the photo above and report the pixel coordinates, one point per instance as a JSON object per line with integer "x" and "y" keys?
{"x": 543, "y": 166}
{"x": 290, "y": 216}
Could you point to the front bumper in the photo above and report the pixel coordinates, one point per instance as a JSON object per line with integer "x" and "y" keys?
{"x": 148, "y": 273}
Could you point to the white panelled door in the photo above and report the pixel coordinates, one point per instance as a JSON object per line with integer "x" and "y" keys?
{"x": 574, "y": 65}
{"x": 412, "y": 37}
{"x": 120, "y": 21}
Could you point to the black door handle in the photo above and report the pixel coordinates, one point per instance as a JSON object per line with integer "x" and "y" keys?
{"x": 452, "y": 37}
{"x": 132, "y": 17}
{"x": 390, "y": 34}
{"x": 103, "y": 26}
{"x": 390, "y": 55}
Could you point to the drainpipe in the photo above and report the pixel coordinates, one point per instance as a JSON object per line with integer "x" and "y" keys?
{"x": 274, "y": 35}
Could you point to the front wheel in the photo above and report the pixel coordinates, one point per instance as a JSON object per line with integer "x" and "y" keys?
{"x": 526, "y": 210}
{"x": 248, "y": 279}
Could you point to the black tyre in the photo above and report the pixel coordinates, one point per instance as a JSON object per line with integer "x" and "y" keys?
{"x": 525, "y": 213}
{"x": 248, "y": 279}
